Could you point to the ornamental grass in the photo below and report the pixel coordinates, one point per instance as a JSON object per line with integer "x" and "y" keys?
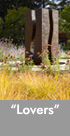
{"x": 34, "y": 86}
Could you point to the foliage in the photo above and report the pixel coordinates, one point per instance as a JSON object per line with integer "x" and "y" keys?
{"x": 32, "y": 4}
{"x": 25, "y": 84}
{"x": 10, "y": 4}
{"x": 14, "y": 24}
{"x": 14, "y": 18}
{"x": 8, "y": 51}
{"x": 66, "y": 47}
{"x": 15, "y": 59}
{"x": 33, "y": 86}
{"x": 57, "y": 4}
{"x": 1, "y": 25}
{"x": 65, "y": 20}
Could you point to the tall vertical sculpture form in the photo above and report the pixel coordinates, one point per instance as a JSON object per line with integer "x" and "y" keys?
{"x": 41, "y": 28}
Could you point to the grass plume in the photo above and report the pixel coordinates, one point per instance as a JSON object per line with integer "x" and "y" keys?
{"x": 34, "y": 86}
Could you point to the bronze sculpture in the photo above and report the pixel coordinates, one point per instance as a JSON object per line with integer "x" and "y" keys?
{"x": 41, "y": 28}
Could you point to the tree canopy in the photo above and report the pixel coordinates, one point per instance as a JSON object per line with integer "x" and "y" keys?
{"x": 14, "y": 24}
{"x": 12, "y": 17}
{"x": 65, "y": 20}
{"x": 32, "y": 4}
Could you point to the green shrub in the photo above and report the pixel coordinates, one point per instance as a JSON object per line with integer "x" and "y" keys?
{"x": 14, "y": 24}
{"x": 66, "y": 47}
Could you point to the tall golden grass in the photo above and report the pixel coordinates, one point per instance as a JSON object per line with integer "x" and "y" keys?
{"x": 34, "y": 86}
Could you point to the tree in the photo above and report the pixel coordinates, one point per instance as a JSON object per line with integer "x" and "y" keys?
{"x": 64, "y": 25}
{"x": 32, "y": 4}
{"x": 14, "y": 24}
{"x": 57, "y": 4}
{"x": 1, "y": 26}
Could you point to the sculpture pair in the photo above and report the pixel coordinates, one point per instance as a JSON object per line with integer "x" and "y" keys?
{"x": 41, "y": 28}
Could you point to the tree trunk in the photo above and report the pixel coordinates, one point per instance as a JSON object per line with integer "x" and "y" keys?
{"x": 43, "y": 3}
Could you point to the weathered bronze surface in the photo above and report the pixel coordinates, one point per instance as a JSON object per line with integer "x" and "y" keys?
{"x": 41, "y": 28}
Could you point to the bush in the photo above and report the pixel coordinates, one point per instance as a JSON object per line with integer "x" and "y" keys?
{"x": 66, "y": 47}
{"x": 68, "y": 42}
{"x": 14, "y": 24}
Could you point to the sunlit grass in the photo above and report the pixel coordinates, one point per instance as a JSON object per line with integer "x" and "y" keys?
{"x": 23, "y": 84}
{"x": 34, "y": 86}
